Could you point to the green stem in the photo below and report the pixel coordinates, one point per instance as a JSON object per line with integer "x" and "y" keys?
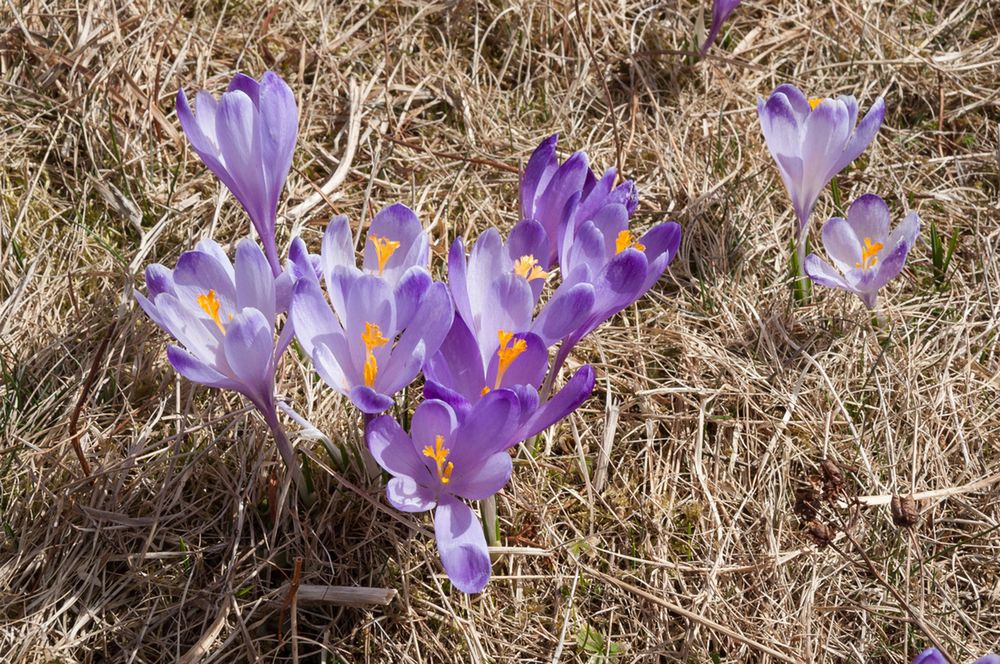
{"x": 491, "y": 524}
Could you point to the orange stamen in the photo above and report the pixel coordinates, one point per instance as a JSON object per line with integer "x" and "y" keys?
{"x": 527, "y": 267}
{"x": 372, "y": 337}
{"x": 508, "y": 353}
{"x": 814, "y": 102}
{"x": 625, "y": 241}
{"x": 384, "y": 249}
{"x": 869, "y": 255}
{"x": 209, "y": 303}
{"x": 440, "y": 454}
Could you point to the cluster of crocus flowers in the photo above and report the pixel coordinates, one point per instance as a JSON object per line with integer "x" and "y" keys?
{"x": 866, "y": 254}
{"x": 934, "y": 656}
{"x": 811, "y": 140}
{"x": 483, "y": 341}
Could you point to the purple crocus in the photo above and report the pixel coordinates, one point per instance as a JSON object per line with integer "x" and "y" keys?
{"x": 387, "y": 318}
{"x": 721, "y": 9}
{"x": 934, "y": 656}
{"x": 560, "y": 197}
{"x": 247, "y": 138}
{"x": 223, "y": 316}
{"x": 866, "y": 254}
{"x": 812, "y": 140}
{"x": 449, "y": 457}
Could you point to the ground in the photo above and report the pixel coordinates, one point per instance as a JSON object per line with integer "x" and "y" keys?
{"x": 702, "y": 506}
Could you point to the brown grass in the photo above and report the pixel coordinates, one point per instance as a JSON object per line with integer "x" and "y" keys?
{"x": 659, "y": 523}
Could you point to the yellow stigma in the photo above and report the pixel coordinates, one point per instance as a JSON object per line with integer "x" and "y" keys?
{"x": 508, "y": 353}
{"x": 625, "y": 241}
{"x": 527, "y": 267}
{"x": 384, "y": 249}
{"x": 869, "y": 255}
{"x": 440, "y": 453}
{"x": 372, "y": 336}
{"x": 814, "y": 102}
{"x": 209, "y": 303}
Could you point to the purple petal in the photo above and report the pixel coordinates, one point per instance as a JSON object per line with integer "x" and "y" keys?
{"x": 159, "y": 279}
{"x": 462, "y": 545}
{"x": 890, "y": 265}
{"x": 458, "y": 365}
{"x": 988, "y": 659}
{"x": 197, "y": 371}
{"x": 661, "y": 244}
{"x": 195, "y": 331}
{"x": 338, "y": 246}
{"x": 369, "y": 401}
{"x": 484, "y": 480}
{"x": 528, "y": 368}
{"x": 311, "y": 315}
{"x": 249, "y": 348}
{"x": 432, "y": 418}
{"x": 279, "y": 125}
{"x": 399, "y": 224}
{"x": 409, "y": 291}
{"x": 564, "y": 312}
{"x": 150, "y": 310}
{"x": 458, "y": 280}
{"x": 394, "y": 451}
{"x": 551, "y": 207}
{"x": 539, "y": 170}
{"x": 458, "y": 403}
{"x": 247, "y": 86}
{"x": 823, "y": 139}
{"x": 930, "y": 656}
{"x": 301, "y": 261}
{"x": 486, "y": 430}
{"x": 239, "y": 144}
{"x": 407, "y": 496}
{"x": 906, "y": 232}
{"x": 528, "y": 238}
{"x": 508, "y": 307}
{"x": 561, "y": 404}
{"x": 421, "y": 338}
{"x": 796, "y": 99}
{"x": 254, "y": 280}
{"x": 868, "y": 217}
{"x": 823, "y": 273}
{"x": 864, "y": 134}
{"x": 841, "y": 243}
{"x": 196, "y": 274}
{"x": 370, "y": 300}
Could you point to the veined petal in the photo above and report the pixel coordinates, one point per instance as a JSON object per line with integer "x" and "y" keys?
{"x": 370, "y": 302}
{"x": 311, "y": 316}
{"x": 564, "y": 312}
{"x": 247, "y": 85}
{"x": 864, "y": 134}
{"x": 539, "y": 170}
{"x": 432, "y": 418}
{"x": 409, "y": 291}
{"x": 396, "y": 223}
{"x": 458, "y": 365}
{"x": 279, "y": 125}
{"x": 338, "y": 246}
{"x": 890, "y": 266}
{"x": 508, "y": 307}
{"x": 249, "y": 348}
{"x": 159, "y": 279}
{"x": 868, "y": 216}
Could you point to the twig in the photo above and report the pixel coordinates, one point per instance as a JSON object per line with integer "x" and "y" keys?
{"x": 88, "y": 383}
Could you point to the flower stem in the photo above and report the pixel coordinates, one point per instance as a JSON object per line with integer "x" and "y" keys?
{"x": 371, "y": 466}
{"x": 287, "y": 452}
{"x": 801, "y": 287}
{"x": 491, "y": 523}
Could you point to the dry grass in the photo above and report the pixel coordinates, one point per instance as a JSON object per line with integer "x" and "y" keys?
{"x": 673, "y": 490}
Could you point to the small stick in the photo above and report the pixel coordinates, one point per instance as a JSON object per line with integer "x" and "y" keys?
{"x": 88, "y": 383}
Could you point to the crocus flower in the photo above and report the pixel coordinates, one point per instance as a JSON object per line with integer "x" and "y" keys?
{"x": 934, "y": 656}
{"x": 387, "y": 318}
{"x": 247, "y": 138}
{"x": 812, "y": 140}
{"x": 867, "y": 256}
{"x": 563, "y": 196}
{"x": 721, "y": 9}
{"x": 447, "y": 457}
{"x": 223, "y": 316}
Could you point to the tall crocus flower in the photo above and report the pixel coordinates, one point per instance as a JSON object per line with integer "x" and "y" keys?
{"x": 866, "y": 254}
{"x": 386, "y": 318}
{"x": 721, "y": 9}
{"x": 934, "y": 656}
{"x": 563, "y": 196}
{"x": 247, "y": 139}
{"x": 449, "y": 457}
{"x": 223, "y": 316}
{"x": 812, "y": 140}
